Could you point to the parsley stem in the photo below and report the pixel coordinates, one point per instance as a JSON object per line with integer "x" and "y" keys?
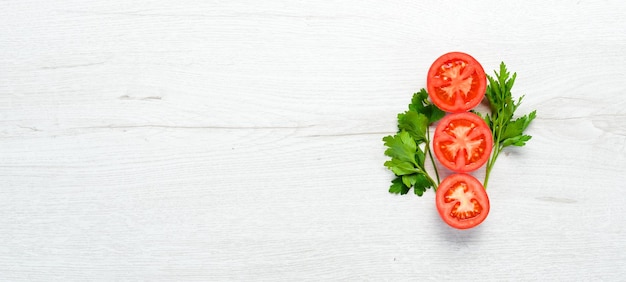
{"x": 490, "y": 163}
{"x": 487, "y": 177}
{"x": 432, "y": 160}
{"x": 497, "y": 131}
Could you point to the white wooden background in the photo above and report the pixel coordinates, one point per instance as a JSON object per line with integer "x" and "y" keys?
{"x": 241, "y": 140}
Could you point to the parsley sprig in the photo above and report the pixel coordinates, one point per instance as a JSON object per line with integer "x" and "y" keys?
{"x": 506, "y": 131}
{"x": 409, "y": 147}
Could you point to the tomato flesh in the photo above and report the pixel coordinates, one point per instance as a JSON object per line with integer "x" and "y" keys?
{"x": 462, "y": 142}
{"x": 456, "y": 82}
{"x": 462, "y": 201}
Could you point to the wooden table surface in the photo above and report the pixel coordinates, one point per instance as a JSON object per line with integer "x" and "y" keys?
{"x": 241, "y": 140}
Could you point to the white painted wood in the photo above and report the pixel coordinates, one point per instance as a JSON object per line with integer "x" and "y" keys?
{"x": 241, "y": 140}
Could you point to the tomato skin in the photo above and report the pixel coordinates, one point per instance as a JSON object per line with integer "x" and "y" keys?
{"x": 462, "y": 142}
{"x": 462, "y": 201}
{"x": 456, "y": 82}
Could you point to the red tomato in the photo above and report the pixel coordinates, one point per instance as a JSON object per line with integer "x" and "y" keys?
{"x": 456, "y": 82}
{"x": 462, "y": 142}
{"x": 462, "y": 201}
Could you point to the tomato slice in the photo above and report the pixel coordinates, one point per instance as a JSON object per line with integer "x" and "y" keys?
{"x": 456, "y": 82}
{"x": 462, "y": 142}
{"x": 462, "y": 201}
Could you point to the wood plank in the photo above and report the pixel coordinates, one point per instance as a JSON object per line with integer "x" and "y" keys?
{"x": 211, "y": 140}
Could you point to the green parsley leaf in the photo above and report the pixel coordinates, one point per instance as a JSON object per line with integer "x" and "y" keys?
{"x": 400, "y": 167}
{"x": 517, "y": 127}
{"x": 397, "y": 187}
{"x": 516, "y": 141}
{"x": 421, "y": 184}
{"x": 419, "y": 101}
{"x": 401, "y": 146}
{"x": 409, "y": 179}
{"x": 415, "y": 124}
{"x": 420, "y": 104}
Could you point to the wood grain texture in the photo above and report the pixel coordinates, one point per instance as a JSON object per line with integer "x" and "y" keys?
{"x": 240, "y": 140}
